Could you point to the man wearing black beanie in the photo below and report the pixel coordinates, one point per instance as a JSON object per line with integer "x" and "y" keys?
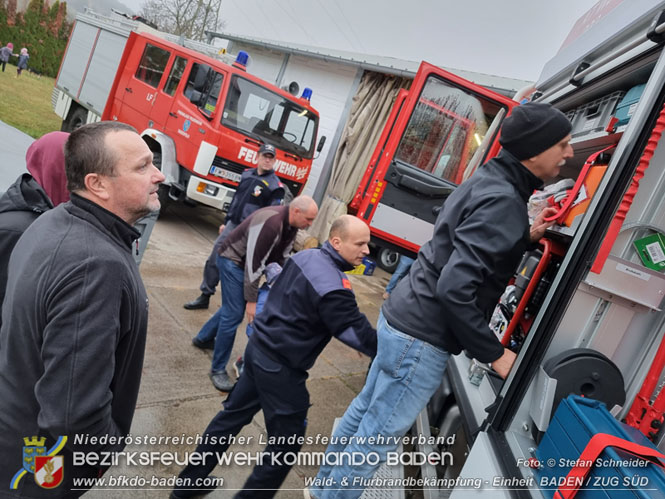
{"x": 443, "y": 305}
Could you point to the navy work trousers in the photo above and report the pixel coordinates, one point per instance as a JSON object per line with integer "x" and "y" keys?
{"x": 281, "y": 393}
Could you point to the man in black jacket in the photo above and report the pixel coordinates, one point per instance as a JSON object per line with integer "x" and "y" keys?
{"x": 310, "y": 302}
{"x": 31, "y": 195}
{"x": 444, "y": 304}
{"x": 259, "y": 187}
{"x": 75, "y": 318}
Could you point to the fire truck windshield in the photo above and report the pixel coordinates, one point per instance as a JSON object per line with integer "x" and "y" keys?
{"x": 266, "y": 116}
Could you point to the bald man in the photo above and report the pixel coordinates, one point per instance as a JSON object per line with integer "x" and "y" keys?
{"x": 264, "y": 237}
{"x": 310, "y": 302}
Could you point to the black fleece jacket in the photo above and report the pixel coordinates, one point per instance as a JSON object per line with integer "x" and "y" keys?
{"x": 23, "y": 202}
{"x": 72, "y": 341}
{"x": 459, "y": 275}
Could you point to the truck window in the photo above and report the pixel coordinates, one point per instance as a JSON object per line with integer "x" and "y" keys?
{"x": 151, "y": 67}
{"x": 175, "y": 75}
{"x": 267, "y": 116}
{"x": 203, "y": 87}
{"x": 445, "y": 129}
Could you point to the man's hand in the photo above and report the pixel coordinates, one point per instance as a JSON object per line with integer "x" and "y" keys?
{"x": 539, "y": 225}
{"x": 503, "y": 364}
{"x": 221, "y": 228}
{"x": 250, "y": 311}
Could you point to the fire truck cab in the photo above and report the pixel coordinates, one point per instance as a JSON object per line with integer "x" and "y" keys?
{"x": 203, "y": 119}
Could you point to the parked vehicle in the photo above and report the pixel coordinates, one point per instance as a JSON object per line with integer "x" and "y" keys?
{"x": 438, "y": 132}
{"x": 203, "y": 119}
{"x": 585, "y": 310}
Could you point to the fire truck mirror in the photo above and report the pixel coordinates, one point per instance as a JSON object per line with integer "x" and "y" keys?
{"x": 322, "y": 141}
{"x": 195, "y": 97}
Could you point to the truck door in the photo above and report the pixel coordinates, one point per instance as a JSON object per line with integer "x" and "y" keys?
{"x": 142, "y": 76}
{"x": 446, "y": 127}
{"x": 165, "y": 96}
{"x": 191, "y": 117}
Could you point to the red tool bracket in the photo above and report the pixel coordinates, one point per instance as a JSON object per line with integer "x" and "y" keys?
{"x": 598, "y": 443}
{"x": 643, "y": 415}
{"x": 571, "y": 195}
{"x": 620, "y": 215}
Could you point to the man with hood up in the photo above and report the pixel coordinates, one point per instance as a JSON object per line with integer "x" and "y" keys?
{"x": 31, "y": 195}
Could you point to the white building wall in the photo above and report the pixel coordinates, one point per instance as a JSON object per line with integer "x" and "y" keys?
{"x": 331, "y": 84}
{"x": 262, "y": 63}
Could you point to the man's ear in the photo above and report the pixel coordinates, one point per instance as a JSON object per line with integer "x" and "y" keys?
{"x": 97, "y": 185}
{"x": 336, "y": 242}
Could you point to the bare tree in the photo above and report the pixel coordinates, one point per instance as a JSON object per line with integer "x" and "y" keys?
{"x": 190, "y": 18}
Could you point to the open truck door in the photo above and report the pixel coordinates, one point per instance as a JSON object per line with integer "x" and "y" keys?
{"x": 436, "y": 135}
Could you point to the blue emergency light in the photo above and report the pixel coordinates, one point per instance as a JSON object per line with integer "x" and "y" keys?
{"x": 242, "y": 58}
{"x": 306, "y": 94}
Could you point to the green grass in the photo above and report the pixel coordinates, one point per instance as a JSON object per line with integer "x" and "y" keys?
{"x": 25, "y": 102}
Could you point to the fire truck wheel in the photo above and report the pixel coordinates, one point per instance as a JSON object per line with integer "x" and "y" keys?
{"x": 76, "y": 119}
{"x": 387, "y": 259}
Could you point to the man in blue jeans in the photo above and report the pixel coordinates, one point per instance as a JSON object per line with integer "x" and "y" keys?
{"x": 444, "y": 304}
{"x": 265, "y": 236}
{"x": 259, "y": 187}
{"x": 402, "y": 269}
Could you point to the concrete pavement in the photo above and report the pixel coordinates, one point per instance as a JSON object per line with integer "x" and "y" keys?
{"x": 177, "y": 398}
{"x": 13, "y": 146}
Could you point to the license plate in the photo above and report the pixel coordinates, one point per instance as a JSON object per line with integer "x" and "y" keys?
{"x": 220, "y": 172}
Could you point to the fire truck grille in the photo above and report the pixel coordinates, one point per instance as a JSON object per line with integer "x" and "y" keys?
{"x": 228, "y": 165}
{"x": 293, "y": 186}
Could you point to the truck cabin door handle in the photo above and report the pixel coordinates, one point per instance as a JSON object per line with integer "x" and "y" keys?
{"x": 173, "y": 114}
{"x": 129, "y": 90}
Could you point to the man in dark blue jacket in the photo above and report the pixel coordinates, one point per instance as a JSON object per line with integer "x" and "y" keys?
{"x": 310, "y": 302}
{"x": 259, "y": 187}
{"x": 444, "y": 304}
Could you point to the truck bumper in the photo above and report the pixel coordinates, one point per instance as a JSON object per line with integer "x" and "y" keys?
{"x": 209, "y": 193}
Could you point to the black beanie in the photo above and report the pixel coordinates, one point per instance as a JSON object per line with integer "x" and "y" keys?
{"x": 532, "y": 128}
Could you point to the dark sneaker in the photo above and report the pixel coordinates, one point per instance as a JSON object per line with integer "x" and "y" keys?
{"x": 222, "y": 381}
{"x": 238, "y": 366}
{"x": 203, "y": 345}
{"x": 202, "y": 302}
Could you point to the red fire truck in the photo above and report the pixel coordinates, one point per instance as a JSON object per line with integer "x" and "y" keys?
{"x": 437, "y": 133}
{"x": 203, "y": 119}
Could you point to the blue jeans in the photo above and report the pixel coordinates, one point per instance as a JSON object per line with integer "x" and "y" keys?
{"x": 260, "y": 301}
{"x": 210, "y": 270}
{"x": 402, "y": 269}
{"x": 404, "y": 375}
{"x": 222, "y": 326}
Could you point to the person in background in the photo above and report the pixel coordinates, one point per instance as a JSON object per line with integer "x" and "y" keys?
{"x": 445, "y": 303}
{"x": 259, "y": 187}
{"x": 265, "y": 236}
{"x": 75, "y": 315}
{"x": 22, "y": 61}
{"x": 310, "y": 302}
{"x": 5, "y": 53}
{"x": 402, "y": 269}
{"x": 31, "y": 195}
